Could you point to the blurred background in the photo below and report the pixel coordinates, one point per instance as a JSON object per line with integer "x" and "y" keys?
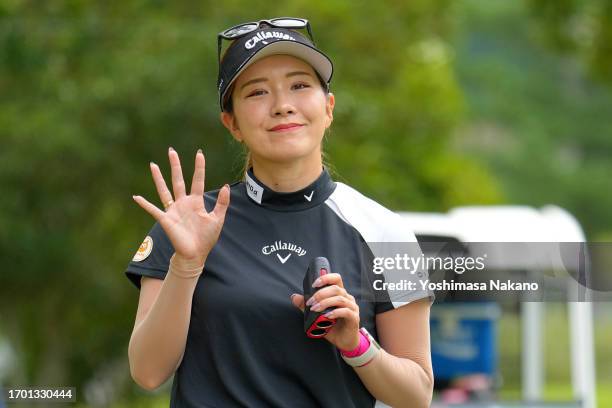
{"x": 439, "y": 104}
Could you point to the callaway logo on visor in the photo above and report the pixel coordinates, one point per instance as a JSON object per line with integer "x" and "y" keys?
{"x": 263, "y": 36}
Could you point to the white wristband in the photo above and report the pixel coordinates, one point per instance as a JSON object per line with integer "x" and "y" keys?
{"x": 366, "y": 357}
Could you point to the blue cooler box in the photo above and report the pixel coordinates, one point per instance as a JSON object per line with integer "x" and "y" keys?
{"x": 464, "y": 338}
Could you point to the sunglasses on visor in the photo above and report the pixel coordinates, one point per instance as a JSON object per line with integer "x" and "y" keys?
{"x": 243, "y": 29}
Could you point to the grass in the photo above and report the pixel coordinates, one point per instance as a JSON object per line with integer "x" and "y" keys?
{"x": 562, "y": 392}
{"x": 556, "y": 348}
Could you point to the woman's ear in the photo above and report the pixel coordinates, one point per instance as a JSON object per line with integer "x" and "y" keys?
{"x": 329, "y": 109}
{"x": 231, "y": 123}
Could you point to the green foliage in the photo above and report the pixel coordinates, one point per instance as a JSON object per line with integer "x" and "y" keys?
{"x": 90, "y": 92}
{"x": 582, "y": 27}
{"x": 537, "y": 115}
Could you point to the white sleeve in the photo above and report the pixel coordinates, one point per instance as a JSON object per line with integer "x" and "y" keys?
{"x": 386, "y": 235}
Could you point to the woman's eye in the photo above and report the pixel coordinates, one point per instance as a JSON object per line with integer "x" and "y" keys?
{"x": 255, "y": 93}
{"x": 301, "y": 86}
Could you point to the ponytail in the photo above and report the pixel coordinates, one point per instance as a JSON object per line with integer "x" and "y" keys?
{"x": 248, "y": 163}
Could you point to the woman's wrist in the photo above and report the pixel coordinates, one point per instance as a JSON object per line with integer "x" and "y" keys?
{"x": 365, "y": 353}
{"x": 363, "y": 343}
{"x": 186, "y": 268}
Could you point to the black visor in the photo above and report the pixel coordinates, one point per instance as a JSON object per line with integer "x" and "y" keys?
{"x": 267, "y": 41}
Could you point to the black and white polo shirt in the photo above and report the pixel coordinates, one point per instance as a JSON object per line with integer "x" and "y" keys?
{"x": 246, "y": 345}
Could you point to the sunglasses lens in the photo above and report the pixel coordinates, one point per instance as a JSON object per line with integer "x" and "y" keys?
{"x": 289, "y": 22}
{"x": 240, "y": 30}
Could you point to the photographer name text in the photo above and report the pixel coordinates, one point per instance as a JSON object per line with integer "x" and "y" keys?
{"x": 425, "y": 284}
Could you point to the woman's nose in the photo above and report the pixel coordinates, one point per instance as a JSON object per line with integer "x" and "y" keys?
{"x": 283, "y": 106}
{"x": 283, "y": 111}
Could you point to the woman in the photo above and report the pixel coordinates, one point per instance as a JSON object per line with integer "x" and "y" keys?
{"x": 220, "y": 278}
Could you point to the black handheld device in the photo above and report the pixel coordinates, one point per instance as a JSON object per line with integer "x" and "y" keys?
{"x": 315, "y": 324}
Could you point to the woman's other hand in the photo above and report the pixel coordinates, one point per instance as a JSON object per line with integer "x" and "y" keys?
{"x": 345, "y": 333}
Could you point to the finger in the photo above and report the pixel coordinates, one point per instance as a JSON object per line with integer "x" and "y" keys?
{"x": 197, "y": 183}
{"x": 178, "y": 184}
{"x": 160, "y": 184}
{"x": 343, "y": 312}
{"x": 148, "y": 207}
{"x": 334, "y": 301}
{"x": 326, "y": 292}
{"x": 328, "y": 279}
{"x": 298, "y": 301}
{"x": 222, "y": 203}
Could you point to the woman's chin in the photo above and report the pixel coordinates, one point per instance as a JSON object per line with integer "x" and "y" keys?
{"x": 291, "y": 154}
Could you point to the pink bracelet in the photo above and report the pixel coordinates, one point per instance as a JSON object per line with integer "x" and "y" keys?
{"x": 362, "y": 347}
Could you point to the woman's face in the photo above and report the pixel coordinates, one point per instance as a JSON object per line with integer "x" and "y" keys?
{"x": 277, "y": 91}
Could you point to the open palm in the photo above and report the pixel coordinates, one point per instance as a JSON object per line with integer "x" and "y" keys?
{"x": 192, "y": 230}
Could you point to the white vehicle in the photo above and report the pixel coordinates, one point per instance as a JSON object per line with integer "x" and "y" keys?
{"x": 550, "y": 224}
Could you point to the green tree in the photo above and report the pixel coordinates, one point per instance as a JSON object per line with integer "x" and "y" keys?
{"x": 537, "y": 113}
{"x": 90, "y": 93}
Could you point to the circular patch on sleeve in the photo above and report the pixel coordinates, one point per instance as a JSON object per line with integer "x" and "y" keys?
{"x": 144, "y": 250}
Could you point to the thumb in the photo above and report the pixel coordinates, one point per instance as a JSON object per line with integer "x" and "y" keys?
{"x": 222, "y": 203}
{"x": 298, "y": 301}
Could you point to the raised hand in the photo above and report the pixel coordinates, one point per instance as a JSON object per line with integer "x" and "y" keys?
{"x": 192, "y": 230}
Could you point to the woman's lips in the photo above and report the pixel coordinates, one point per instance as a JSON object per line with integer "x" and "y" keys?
{"x": 286, "y": 128}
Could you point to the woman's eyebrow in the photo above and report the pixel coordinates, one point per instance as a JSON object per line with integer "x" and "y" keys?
{"x": 294, "y": 73}
{"x": 256, "y": 80}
